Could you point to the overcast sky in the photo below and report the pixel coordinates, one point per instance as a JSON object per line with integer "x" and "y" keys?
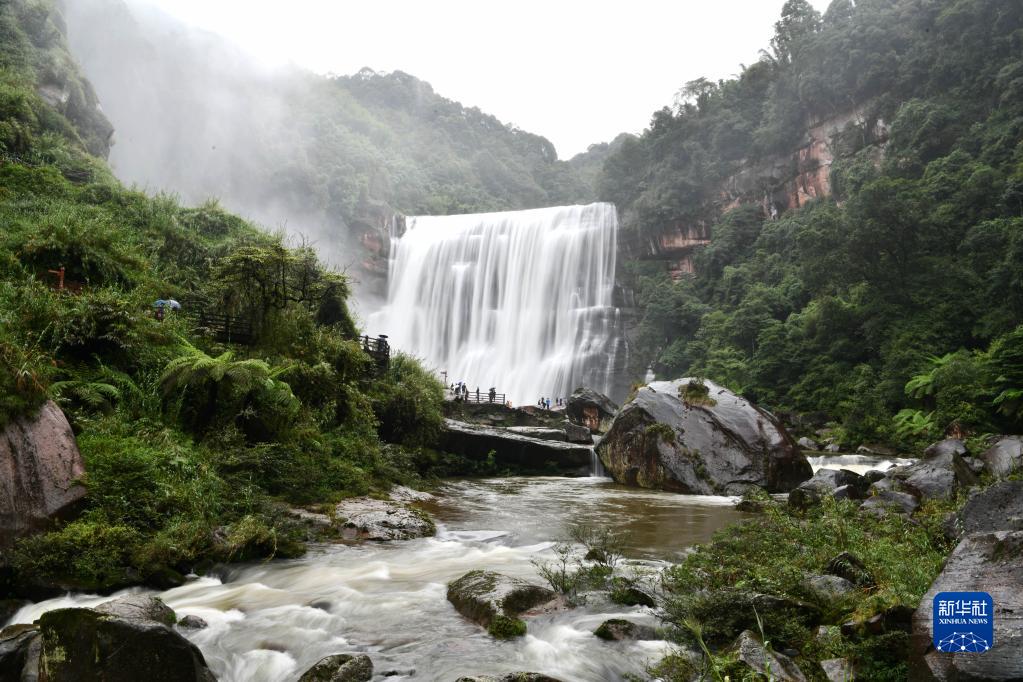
{"x": 575, "y": 71}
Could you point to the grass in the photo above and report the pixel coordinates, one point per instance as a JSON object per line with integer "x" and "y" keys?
{"x": 753, "y": 575}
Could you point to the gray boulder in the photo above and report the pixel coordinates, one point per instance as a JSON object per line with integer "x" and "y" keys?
{"x": 939, "y": 477}
{"x": 192, "y": 623}
{"x": 829, "y": 587}
{"x": 340, "y": 668}
{"x": 998, "y": 507}
{"x": 838, "y": 670}
{"x": 495, "y": 601}
{"x": 367, "y": 518}
{"x": 827, "y": 482}
{"x": 122, "y": 643}
{"x": 774, "y": 665}
{"x": 16, "y": 645}
{"x": 715, "y": 443}
{"x": 949, "y": 446}
{"x": 591, "y": 409}
{"x": 833, "y": 447}
{"x": 40, "y": 469}
{"x": 576, "y": 433}
{"x": 808, "y": 444}
{"x": 1005, "y": 456}
{"x": 513, "y": 450}
{"x": 143, "y": 607}
{"x": 619, "y": 629}
{"x": 988, "y": 562}
{"x": 890, "y": 501}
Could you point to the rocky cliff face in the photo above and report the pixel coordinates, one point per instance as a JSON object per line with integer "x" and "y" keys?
{"x": 777, "y": 184}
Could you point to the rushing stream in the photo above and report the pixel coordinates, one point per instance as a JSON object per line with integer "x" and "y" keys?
{"x": 271, "y": 621}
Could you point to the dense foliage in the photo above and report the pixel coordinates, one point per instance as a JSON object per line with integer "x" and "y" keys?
{"x": 713, "y": 595}
{"x": 902, "y": 292}
{"x": 191, "y": 444}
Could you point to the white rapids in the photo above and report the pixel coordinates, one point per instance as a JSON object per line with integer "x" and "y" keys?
{"x": 520, "y": 301}
{"x": 269, "y": 622}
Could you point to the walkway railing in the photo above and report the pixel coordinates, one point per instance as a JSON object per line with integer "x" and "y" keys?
{"x": 224, "y": 328}
{"x": 483, "y": 398}
{"x": 378, "y": 349}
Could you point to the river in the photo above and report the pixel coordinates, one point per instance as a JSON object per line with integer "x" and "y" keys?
{"x": 271, "y": 621}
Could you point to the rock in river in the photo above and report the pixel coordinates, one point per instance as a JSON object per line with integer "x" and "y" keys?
{"x": 702, "y": 440}
{"x": 125, "y": 640}
{"x": 367, "y": 518}
{"x": 1005, "y": 456}
{"x": 40, "y": 467}
{"x": 495, "y": 601}
{"x": 513, "y": 450}
{"x": 340, "y": 668}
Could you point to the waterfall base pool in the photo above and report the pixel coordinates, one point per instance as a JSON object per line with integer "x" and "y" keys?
{"x": 271, "y": 621}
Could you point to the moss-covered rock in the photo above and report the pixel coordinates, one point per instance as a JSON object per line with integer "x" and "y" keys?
{"x": 340, "y": 668}
{"x": 618, "y": 629}
{"x": 123, "y": 644}
{"x": 495, "y": 601}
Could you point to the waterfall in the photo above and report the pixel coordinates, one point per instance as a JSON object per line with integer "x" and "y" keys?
{"x": 596, "y": 466}
{"x": 520, "y": 301}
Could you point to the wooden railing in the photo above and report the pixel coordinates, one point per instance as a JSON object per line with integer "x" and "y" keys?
{"x": 378, "y": 349}
{"x": 224, "y": 328}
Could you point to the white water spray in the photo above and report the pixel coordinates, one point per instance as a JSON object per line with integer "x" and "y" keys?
{"x": 520, "y": 301}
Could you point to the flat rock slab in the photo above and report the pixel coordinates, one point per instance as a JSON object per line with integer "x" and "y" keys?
{"x": 541, "y": 432}
{"x": 367, "y": 518}
{"x": 513, "y": 449}
{"x": 890, "y": 501}
{"x": 982, "y": 562}
{"x": 998, "y": 507}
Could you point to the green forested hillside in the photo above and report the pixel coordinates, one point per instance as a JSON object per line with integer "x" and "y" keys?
{"x": 191, "y": 445}
{"x": 331, "y": 156}
{"x": 893, "y": 305}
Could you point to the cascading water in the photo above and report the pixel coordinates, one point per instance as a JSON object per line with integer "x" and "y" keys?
{"x": 520, "y": 301}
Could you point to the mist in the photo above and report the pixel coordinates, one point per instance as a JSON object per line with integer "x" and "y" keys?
{"x": 198, "y": 118}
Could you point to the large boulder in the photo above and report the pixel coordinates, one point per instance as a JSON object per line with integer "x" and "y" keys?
{"x": 670, "y": 436}
{"x": 593, "y": 410}
{"x": 939, "y": 477}
{"x": 125, "y": 640}
{"x": 40, "y": 469}
{"x": 983, "y": 562}
{"x": 495, "y": 601}
{"x": 515, "y": 451}
{"x": 1005, "y": 456}
{"x": 17, "y": 646}
{"x": 340, "y": 668}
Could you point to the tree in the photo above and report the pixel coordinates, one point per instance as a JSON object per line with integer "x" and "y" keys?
{"x": 798, "y": 21}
